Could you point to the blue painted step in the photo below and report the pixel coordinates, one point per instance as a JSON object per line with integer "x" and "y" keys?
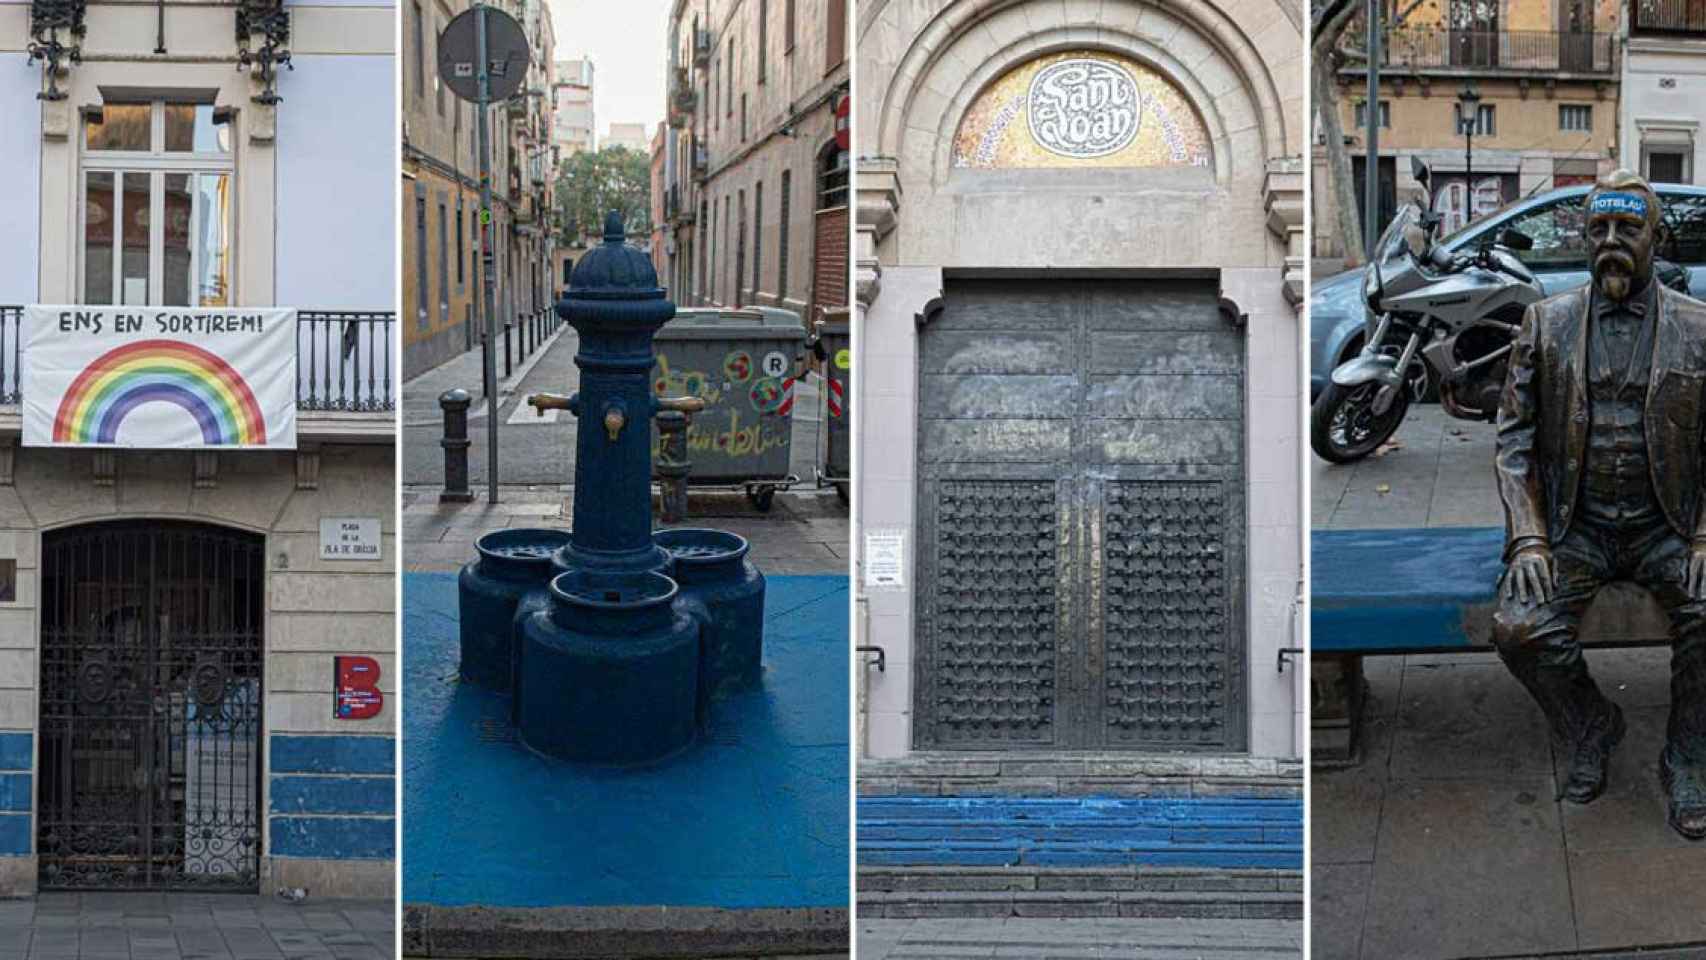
{"x": 1081, "y": 832}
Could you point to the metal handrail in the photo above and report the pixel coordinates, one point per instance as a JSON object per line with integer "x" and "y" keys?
{"x": 1497, "y": 51}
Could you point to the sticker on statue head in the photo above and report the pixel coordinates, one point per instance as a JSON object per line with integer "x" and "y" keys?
{"x": 1630, "y": 203}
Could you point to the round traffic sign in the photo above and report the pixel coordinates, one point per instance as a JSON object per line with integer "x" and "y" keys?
{"x": 506, "y": 54}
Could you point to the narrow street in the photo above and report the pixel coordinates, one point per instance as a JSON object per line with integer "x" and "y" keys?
{"x": 538, "y": 450}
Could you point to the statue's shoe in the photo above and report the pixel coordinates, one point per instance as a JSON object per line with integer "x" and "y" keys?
{"x": 1687, "y": 795}
{"x": 1590, "y": 759}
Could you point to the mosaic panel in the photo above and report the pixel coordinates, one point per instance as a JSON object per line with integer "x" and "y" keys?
{"x": 1081, "y": 108}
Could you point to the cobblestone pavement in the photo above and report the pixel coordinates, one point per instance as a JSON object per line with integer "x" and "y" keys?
{"x": 171, "y": 926}
{"x": 1080, "y": 938}
{"x": 1445, "y": 842}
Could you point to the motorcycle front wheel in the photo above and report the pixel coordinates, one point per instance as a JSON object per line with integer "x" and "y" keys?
{"x": 1343, "y": 427}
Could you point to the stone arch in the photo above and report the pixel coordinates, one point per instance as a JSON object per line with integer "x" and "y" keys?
{"x": 968, "y": 43}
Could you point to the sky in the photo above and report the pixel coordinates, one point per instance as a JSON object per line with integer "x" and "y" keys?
{"x": 625, "y": 40}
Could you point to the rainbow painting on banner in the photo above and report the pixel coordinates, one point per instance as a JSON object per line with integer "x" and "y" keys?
{"x": 159, "y": 377}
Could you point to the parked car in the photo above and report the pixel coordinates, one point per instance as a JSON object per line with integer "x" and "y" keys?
{"x": 1553, "y": 220}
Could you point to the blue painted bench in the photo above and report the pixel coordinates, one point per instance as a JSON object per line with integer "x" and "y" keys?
{"x": 1423, "y": 591}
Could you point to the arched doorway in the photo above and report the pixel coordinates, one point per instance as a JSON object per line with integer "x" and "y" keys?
{"x": 151, "y": 680}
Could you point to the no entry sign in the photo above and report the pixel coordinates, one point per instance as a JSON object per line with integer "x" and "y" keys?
{"x": 843, "y": 129}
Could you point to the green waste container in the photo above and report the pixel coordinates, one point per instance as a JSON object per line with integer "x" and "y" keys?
{"x": 743, "y": 364}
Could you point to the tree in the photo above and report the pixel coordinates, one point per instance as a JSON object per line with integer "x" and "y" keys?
{"x": 591, "y": 184}
{"x": 1331, "y": 20}
{"x": 1327, "y": 47}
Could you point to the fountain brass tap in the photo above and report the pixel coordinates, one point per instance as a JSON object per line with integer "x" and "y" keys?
{"x": 541, "y": 402}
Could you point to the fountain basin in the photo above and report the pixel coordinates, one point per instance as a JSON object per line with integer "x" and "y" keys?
{"x": 723, "y": 590}
{"x": 612, "y": 670}
{"x": 491, "y": 588}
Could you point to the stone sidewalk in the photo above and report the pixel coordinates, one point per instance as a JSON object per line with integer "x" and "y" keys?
{"x": 190, "y": 926}
{"x": 1445, "y": 841}
{"x": 804, "y": 532}
{"x": 1080, "y": 938}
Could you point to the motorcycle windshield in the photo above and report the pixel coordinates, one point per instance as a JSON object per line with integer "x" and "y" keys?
{"x": 1390, "y": 251}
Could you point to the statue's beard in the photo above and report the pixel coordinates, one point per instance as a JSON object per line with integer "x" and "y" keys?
{"x": 1614, "y": 272}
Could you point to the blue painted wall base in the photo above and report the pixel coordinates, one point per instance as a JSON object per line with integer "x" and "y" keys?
{"x": 753, "y": 815}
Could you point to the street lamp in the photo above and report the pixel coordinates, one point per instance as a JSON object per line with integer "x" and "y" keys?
{"x": 1468, "y": 114}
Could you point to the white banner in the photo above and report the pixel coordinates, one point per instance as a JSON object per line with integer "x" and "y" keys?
{"x": 159, "y": 377}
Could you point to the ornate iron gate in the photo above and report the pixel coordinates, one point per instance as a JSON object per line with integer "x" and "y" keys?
{"x": 1081, "y": 519}
{"x": 151, "y": 665}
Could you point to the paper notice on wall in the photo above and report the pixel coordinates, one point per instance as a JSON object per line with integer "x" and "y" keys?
{"x": 885, "y": 559}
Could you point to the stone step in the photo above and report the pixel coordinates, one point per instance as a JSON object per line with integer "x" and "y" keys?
{"x": 1225, "y": 905}
{"x": 1084, "y": 832}
{"x": 1081, "y": 938}
{"x": 1022, "y": 774}
{"x": 1080, "y": 879}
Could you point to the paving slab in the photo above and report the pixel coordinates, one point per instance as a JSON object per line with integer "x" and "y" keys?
{"x": 171, "y": 926}
{"x": 1467, "y": 867}
{"x": 1079, "y": 937}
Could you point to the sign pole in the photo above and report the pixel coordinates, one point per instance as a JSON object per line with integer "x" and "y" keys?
{"x": 483, "y": 61}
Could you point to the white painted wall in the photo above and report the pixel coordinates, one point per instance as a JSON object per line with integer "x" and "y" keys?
{"x": 337, "y": 184}
{"x": 20, "y": 170}
{"x": 1663, "y": 84}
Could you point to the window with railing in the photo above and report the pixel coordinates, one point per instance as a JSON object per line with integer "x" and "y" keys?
{"x": 1668, "y": 16}
{"x": 344, "y": 361}
{"x": 157, "y": 195}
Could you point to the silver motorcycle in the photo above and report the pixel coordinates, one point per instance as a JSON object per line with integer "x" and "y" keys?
{"x": 1438, "y": 318}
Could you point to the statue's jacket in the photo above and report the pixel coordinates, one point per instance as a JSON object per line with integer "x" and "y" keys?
{"x": 1543, "y": 417}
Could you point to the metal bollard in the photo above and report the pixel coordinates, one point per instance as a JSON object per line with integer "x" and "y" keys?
{"x": 672, "y": 466}
{"x": 674, "y": 416}
{"x": 455, "y": 403}
{"x": 507, "y": 325}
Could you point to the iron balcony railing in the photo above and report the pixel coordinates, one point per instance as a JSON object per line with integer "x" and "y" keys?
{"x": 344, "y": 359}
{"x": 1669, "y": 17}
{"x": 1496, "y": 51}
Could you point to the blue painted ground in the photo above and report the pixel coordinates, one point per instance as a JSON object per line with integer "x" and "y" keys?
{"x": 1390, "y": 590}
{"x": 1223, "y": 832}
{"x": 755, "y": 815}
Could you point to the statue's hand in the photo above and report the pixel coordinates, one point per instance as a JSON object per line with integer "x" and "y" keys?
{"x": 1533, "y": 576}
{"x": 1694, "y": 581}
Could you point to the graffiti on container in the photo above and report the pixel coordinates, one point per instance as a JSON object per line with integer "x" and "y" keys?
{"x": 735, "y": 429}
{"x": 738, "y": 366}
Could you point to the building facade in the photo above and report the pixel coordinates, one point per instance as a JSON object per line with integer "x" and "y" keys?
{"x": 170, "y": 626}
{"x": 631, "y": 136}
{"x": 443, "y": 309}
{"x": 659, "y": 234}
{"x": 756, "y": 183}
{"x": 1078, "y": 265}
{"x": 573, "y": 128}
{"x": 1664, "y": 77}
{"x": 1547, "y": 76}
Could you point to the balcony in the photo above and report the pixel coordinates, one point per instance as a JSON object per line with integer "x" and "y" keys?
{"x": 1503, "y": 52}
{"x": 701, "y": 160}
{"x": 682, "y": 96}
{"x": 1668, "y": 18}
{"x": 345, "y": 379}
{"x": 701, "y": 48}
